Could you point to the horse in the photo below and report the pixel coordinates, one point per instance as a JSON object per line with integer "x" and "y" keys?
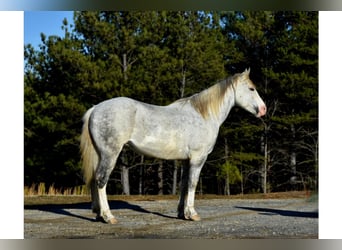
{"x": 186, "y": 129}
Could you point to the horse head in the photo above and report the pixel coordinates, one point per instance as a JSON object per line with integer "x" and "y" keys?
{"x": 246, "y": 95}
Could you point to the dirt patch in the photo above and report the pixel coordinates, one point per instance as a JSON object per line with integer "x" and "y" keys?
{"x": 281, "y": 216}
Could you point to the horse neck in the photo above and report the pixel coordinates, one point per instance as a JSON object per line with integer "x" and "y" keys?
{"x": 227, "y": 104}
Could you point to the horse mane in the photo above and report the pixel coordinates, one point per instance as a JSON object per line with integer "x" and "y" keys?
{"x": 210, "y": 100}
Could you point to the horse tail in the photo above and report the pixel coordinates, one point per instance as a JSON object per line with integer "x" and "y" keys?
{"x": 88, "y": 153}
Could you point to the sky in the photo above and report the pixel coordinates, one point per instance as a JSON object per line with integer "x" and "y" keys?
{"x": 47, "y": 22}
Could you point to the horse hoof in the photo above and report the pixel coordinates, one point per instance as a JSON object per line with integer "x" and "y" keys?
{"x": 108, "y": 221}
{"x": 195, "y": 217}
{"x": 112, "y": 221}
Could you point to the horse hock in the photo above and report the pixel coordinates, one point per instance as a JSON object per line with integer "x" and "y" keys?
{"x": 103, "y": 171}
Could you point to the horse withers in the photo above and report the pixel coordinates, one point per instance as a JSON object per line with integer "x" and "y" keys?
{"x": 186, "y": 129}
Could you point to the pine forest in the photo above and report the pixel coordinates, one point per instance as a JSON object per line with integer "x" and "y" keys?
{"x": 158, "y": 57}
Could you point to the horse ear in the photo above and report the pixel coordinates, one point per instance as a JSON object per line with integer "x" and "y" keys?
{"x": 247, "y": 71}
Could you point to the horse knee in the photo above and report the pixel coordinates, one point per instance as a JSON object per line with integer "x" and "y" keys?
{"x": 192, "y": 183}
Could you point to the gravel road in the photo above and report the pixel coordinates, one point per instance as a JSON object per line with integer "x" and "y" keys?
{"x": 155, "y": 219}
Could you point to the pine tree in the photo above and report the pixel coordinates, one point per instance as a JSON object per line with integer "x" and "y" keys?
{"x": 52, "y": 111}
{"x": 160, "y": 56}
{"x": 294, "y": 80}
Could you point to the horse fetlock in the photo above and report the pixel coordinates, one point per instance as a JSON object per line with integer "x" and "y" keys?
{"x": 191, "y": 214}
{"x": 195, "y": 217}
{"x": 106, "y": 219}
{"x": 109, "y": 218}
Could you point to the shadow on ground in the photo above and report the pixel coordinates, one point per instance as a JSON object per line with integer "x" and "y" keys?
{"x": 61, "y": 209}
{"x": 270, "y": 211}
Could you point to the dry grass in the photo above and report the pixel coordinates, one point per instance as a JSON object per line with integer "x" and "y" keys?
{"x": 40, "y": 189}
{"x": 80, "y": 196}
{"x": 39, "y": 194}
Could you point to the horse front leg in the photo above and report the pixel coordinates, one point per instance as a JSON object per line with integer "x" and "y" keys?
{"x": 186, "y": 208}
{"x": 183, "y": 190}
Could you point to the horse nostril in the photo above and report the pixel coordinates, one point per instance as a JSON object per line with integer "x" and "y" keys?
{"x": 261, "y": 110}
{"x": 264, "y": 109}
{"x": 257, "y": 110}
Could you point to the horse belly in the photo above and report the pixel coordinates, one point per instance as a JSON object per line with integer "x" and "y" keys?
{"x": 163, "y": 147}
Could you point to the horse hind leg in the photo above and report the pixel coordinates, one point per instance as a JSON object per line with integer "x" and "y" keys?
{"x": 108, "y": 157}
{"x": 95, "y": 205}
{"x": 105, "y": 212}
{"x": 100, "y": 204}
{"x": 102, "y": 174}
{"x": 104, "y": 169}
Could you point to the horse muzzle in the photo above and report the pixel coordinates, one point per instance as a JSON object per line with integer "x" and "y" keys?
{"x": 261, "y": 110}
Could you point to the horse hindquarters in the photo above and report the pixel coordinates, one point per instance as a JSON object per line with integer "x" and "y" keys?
{"x": 110, "y": 127}
{"x": 90, "y": 161}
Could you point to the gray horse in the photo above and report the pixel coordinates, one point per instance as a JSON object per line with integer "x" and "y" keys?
{"x": 186, "y": 129}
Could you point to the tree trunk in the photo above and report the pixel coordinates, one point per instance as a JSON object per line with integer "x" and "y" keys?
{"x": 293, "y": 159}
{"x": 226, "y": 157}
{"x": 242, "y": 181}
{"x": 175, "y": 169}
{"x": 160, "y": 177}
{"x": 174, "y": 183}
{"x": 264, "y": 168}
{"x": 183, "y": 81}
{"x": 125, "y": 180}
{"x": 316, "y": 166}
{"x": 227, "y": 189}
{"x": 125, "y": 173}
{"x": 141, "y": 172}
{"x": 124, "y": 66}
{"x": 200, "y": 186}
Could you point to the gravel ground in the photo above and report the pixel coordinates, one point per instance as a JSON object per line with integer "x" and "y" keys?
{"x": 156, "y": 219}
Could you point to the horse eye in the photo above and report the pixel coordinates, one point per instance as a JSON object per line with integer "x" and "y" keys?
{"x": 251, "y": 89}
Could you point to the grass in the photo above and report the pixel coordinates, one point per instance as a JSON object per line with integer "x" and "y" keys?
{"x": 40, "y": 189}
{"x": 40, "y": 195}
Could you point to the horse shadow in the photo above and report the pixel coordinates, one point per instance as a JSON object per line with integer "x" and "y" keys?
{"x": 62, "y": 209}
{"x": 289, "y": 213}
